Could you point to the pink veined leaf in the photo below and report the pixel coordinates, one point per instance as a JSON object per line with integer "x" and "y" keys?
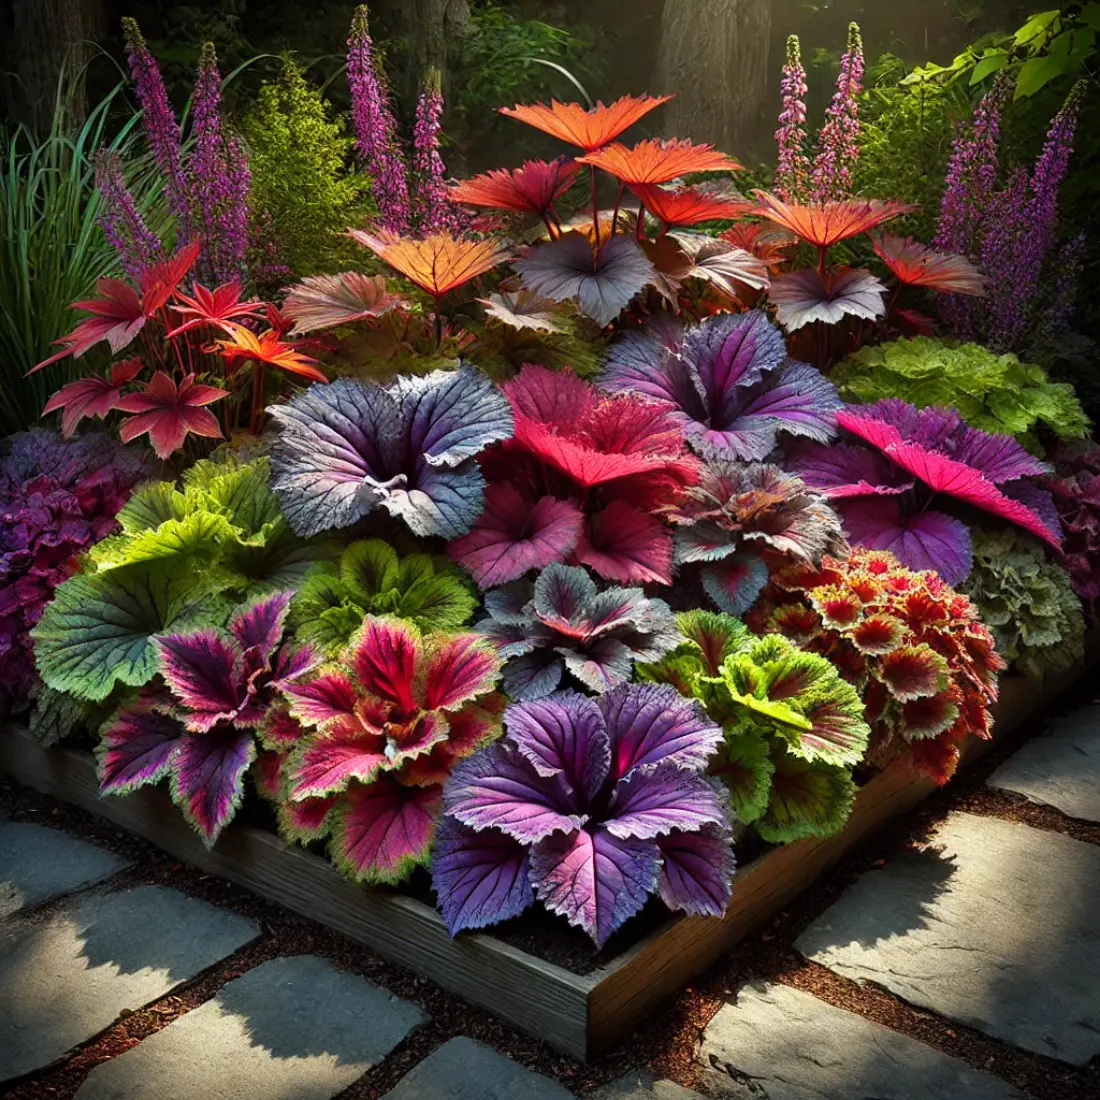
{"x": 326, "y": 765}
{"x": 326, "y": 698}
{"x": 626, "y": 545}
{"x": 844, "y": 470}
{"x": 208, "y": 778}
{"x": 381, "y": 831}
{"x": 92, "y": 396}
{"x": 267, "y": 774}
{"x": 204, "y": 672}
{"x": 735, "y": 583}
{"x": 697, "y": 872}
{"x": 136, "y": 748}
{"x": 321, "y": 301}
{"x": 513, "y": 537}
{"x": 801, "y": 297}
{"x": 307, "y": 820}
{"x": 169, "y": 413}
{"x": 219, "y": 308}
{"x": 464, "y": 667}
{"x": 385, "y": 662}
{"x": 260, "y": 626}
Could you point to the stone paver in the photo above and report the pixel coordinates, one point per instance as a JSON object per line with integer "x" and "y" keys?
{"x": 1061, "y": 769}
{"x": 37, "y": 864}
{"x": 65, "y": 978}
{"x": 999, "y": 932}
{"x": 462, "y": 1069}
{"x": 640, "y": 1084}
{"x": 292, "y": 1029}
{"x": 778, "y": 1043}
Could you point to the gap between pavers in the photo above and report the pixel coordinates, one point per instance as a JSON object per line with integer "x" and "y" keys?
{"x": 1059, "y": 769}
{"x": 38, "y": 864}
{"x": 66, "y": 975}
{"x": 779, "y": 1043}
{"x": 640, "y": 1084}
{"x": 999, "y": 931}
{"x": 294, "y": 1028}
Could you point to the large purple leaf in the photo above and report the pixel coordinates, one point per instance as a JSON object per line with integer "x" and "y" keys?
{"x": 625, "y": 544}
{"x": 729, "y": 352}
{"x": 480, "y": 877}
{"x": 569, "y": 268}
{"x": 849, "y": 470}
{"x": 136, "y": 747}
{"x": 513, "y": 537}
{"x": 208, "y": 778}
{"x": 595, "y": 880}
{"x": 205, "y": 673}
{"x": 562, "y": 735}
{"x": 698, "y": 871}
{"x": 652, "y": 803}
{"x": 498, "y": 788}
{"x": 802, "y": 297}
{"x": 651, "y": 724}
{"x": 380, "y": 832}
{"x": 926, "y": 540}
{"x": 260, "y": 626}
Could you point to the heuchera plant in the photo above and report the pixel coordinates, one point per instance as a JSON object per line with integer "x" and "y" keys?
{"x": 582, "y": 479}
{"x": 727, "y": 383}
{"x": 57, "y": 498}
{"x": 792, "y": 727}
{"x": 382, "y": 729}
{"x": 564, "y": 623}
{"x": 347, "y": 448}
{"x": 200, "y": 733}
{"x": 1075, "y": 487}
{"x": 924, "y": 664}
{"x": 592, "y": 805}
{"x": 1027, "y": 601}
{"x": 906, "y": 458}
{"x": 996, "y": 393}
{"x": 744, "y": 519}
{"x": 370, "y": 579}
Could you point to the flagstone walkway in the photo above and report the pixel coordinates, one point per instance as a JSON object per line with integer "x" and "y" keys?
{"x": 117, "y": 985}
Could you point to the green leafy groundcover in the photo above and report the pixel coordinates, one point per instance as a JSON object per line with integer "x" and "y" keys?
{"x": 997, "y": 393}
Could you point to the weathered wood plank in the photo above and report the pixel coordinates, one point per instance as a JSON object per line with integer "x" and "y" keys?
{"x": 537, "y": 996}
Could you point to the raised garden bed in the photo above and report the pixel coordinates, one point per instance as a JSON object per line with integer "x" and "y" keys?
{"x": 578, "y": 1013}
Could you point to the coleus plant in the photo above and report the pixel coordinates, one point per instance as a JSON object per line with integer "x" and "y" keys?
{"x": 562, "y": 623}
{"x": 793, "y": 728}
{"x": 743, "y": 519}
{"x": 182, "y": 556}
{"x": 727, "y": 382}
{"x": 908, "y": 459}
{"x": 925, "y": 666}
{"x": 344, "y": 449}
{"x": 176, "y": 354}
{"x": 590, "y": 805}
{"x": 57, "y": 498}
{"x": 379, "y": 732}
{"x": 200, "y": 731}
{"x": 371, "y": 579}
{"x": 583, "y": 478}
{"x": 1075, "y": 487}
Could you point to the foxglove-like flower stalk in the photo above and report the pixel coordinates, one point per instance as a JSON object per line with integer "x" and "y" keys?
{"x": 431, "y": 205}
{"x": 375, "y": 128}
{"x": 123, "y": 226}
{"x": 792, "y": 173}
{"x": 838, "y": 142}
{"x": 161, "y": 128}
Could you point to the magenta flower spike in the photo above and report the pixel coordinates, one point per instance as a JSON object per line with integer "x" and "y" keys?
{"x": 838, "y": 142}
{"x": 792, "y": 173}
{"x": 432, "y": 208}
{"x": 121, "y": 221}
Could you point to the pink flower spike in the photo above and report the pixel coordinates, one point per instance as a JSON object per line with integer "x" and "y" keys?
{"x": 93, "y": 396}
{"x": 169, "y": 414}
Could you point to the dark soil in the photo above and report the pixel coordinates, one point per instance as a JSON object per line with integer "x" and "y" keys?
{"x": 667, "y": 1042}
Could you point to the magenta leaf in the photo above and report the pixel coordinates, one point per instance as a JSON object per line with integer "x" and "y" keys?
{"x": 460, "y": 669}
{"x": 697, "y": 872}
{"x": 136, "y": 748}
{"x": 204, "y": 672}
{"x": 381, "y": 831}
{"x": 325, "y": 765}
{"x": 260, "y": 626}
{"x": 625, "y": 544}
{"x": 844, "y": 470}
{"x": 301, "y": 822}
{"x": 513, "y": 537}
{"x": 595, "y": 880}
{"x": 480, "y": 877}
{"x": 208, "y": 778}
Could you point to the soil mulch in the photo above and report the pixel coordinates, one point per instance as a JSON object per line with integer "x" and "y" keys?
{"x": 668, "y": 1042}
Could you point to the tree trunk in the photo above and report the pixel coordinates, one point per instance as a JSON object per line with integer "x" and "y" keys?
{"x": 714, "y": 55}
{"x": 46, "y": 40}
{"x": 429, "y": 25}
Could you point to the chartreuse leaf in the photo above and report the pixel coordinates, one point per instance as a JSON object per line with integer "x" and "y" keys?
{"x": 807, "y": 799}
{"x": 99, "y": 630}
{"x": 744, "y": 764}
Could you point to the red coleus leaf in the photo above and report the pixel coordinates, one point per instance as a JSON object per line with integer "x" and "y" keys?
{"x": 267, "y": 347}
{"x": 92, "y": 396}
{"x": 690, "y": 205}
{"x": 656, "y": 161}
{"x": 169, "y": 413}
{"x": 160, "y": 281}
{"x": 216, "y": 308}
{"x": 823, "y": 224}
{"x": 918, "y": 265}
{"x": 531, "y": 189}
{"x": 587, "y": 128}
{"x": 322, "y": 301}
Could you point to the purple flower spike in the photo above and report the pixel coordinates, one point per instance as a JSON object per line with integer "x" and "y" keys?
{"x": 590, "y": 805}
{"x": 792, "y": 172}
{"x": 123, "y": 226}
{"x": 838, "y": 142}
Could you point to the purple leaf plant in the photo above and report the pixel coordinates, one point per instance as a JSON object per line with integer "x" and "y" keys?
{"x": 592, "y": 806}
{"x": 727, "y": 382}
{"x": 200, "y": 731}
